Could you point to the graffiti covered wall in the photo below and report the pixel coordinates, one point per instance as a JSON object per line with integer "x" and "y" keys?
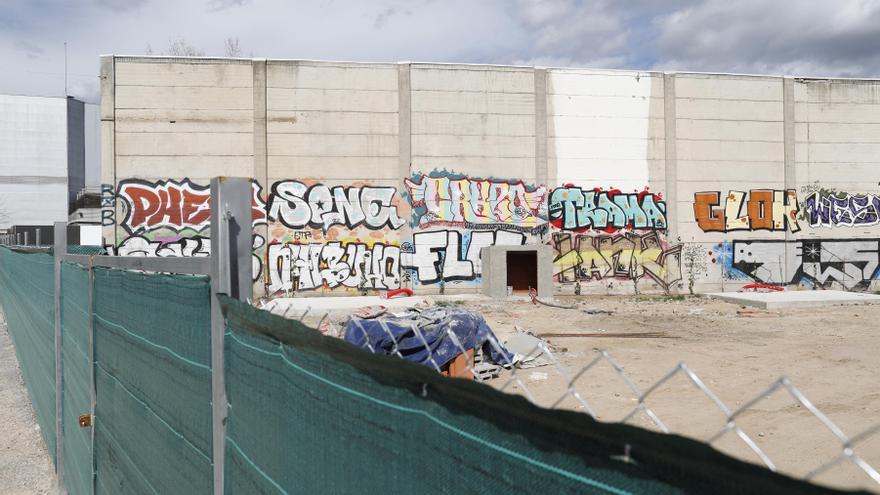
{"x": 333, "y": 237}
{"x": 372, "y": 177}
{"x": 454, "y": 216}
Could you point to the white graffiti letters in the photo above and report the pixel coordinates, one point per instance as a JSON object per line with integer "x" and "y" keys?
{"x": 439, "y": 255}
{"x": 316, "y": 265}
{"x": 297, "y": 206}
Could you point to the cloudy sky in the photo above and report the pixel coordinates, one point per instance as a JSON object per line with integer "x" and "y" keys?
{"x": 797, "y": 37}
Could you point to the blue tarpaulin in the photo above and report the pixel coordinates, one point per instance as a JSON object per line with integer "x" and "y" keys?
{"x": 433, "y": 324}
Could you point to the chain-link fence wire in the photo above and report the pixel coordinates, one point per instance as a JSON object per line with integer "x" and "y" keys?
{"x": 27, "y": 293}
{"x": 848, "y": 445}
{"x": 153, "y": 423}
{"x": 75, "y": 379}
{"x": 313, "y": 414}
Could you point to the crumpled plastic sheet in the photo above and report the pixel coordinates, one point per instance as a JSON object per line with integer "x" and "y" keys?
{"x": 470, "y": 328}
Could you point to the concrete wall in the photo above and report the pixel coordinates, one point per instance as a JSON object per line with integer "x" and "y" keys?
{"x": 33, "y": 160}
{"x": 378, "y": 176}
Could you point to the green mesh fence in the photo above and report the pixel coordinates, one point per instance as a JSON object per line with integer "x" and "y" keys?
{"x": 87, "y": 250}
{"x": 312, "y": 414}
{"x": 153, "y": 380}
{"x": 75, "y": 366}
{"x": 27, "y": 292}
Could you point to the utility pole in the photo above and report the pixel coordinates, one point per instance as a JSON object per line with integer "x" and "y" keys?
{"x": 65, "y": 69}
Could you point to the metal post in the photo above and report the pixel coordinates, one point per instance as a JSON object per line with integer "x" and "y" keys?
{"x": 92, "y": 389}
{"x": 231, "y": 274}
{"x": 60, "y": 251}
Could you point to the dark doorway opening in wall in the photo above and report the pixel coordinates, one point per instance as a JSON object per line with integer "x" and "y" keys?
{"x": 522, "y": 270}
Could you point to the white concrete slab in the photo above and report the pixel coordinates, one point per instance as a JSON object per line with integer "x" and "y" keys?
{"x": 795, "y": 298}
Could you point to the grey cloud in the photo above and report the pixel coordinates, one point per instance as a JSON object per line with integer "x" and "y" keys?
{"x": 121, "y": 5}
{"x": 572, "y": 32}
{"x": 30, "y": 50}
{"x": 216, "y": 5}
{"x": 809, "y": 37}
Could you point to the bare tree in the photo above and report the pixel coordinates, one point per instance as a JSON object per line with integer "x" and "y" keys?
{"x": 180, "y": 48}
{"x": 233, "y": 49}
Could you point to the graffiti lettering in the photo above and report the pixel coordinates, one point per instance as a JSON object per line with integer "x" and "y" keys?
{"x": 296, "y": 205}
{"x": 851, "y": 263}
{"x": 141, "y": 246}
{"x": 108, "y": 205}
{"x": 172, "y": 205}
{"x": 445, "y": 255}
{"x": 627, "y": 255}
{"x": 476, "y": 203}
{"x": 766, "y": 209}
{"x": 842, "y": 210}
{"x": 334, "y": 264}
{"x": 572, "y": 208}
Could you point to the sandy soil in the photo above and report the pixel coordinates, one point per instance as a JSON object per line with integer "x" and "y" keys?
{"x": 25, "y": 465}
{"x": 830, "y": 354}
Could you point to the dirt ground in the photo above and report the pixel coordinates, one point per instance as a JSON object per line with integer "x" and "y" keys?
{"x": 829, "y": 353}
{"x": 25, "y": 465}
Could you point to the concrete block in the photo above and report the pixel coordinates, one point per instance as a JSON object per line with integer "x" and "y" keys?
{"x": 728, "y": 88}
{"x": 795, "y": 299}
{"x": 605, "y": 106}
{"x": 335, "y": 100}
{"x": 473, "y": 102}
{"x": 494, "y": 264}
{"x": 604, "y": 83}
{"x": 764, "y": 111}
{"x": 331, "y": 122}
{"x": 330, "y": 75}
{"x": 472, "y": 78}
{"x": 474, "y": 146}
{"x": 608, "y": 126}
{"x": 213, "y": 74}
{"x": 471, "y": 124}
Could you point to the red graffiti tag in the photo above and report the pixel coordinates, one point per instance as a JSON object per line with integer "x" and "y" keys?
{"x": 175, "y": 205}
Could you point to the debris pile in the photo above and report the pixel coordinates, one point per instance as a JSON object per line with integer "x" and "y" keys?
{"x": 432, "y": 337}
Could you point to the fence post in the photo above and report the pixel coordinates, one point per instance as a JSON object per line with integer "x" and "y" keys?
{"x": 59, "y": 252}
{"x": 231, "y": 274}
{"x": 92, "y": 389}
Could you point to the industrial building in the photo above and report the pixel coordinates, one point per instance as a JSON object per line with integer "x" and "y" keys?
{"x": 373, "y": 177}
{"x": 45, "y": 144}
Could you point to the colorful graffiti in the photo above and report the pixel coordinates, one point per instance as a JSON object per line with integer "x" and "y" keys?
{"x": 825, "y": 209}
{"x": 172, "y": 205}
{"x": 449, "y": 255}
{"x": 478, "y": 204}
{"x": 311, "y": 266}
{"x": 572, "y": 208}
{"x": 627, "y": 256}
{"x": 297, "y": 205}
{"x": 850, "y": 263}
{"x": 766, "y": 209}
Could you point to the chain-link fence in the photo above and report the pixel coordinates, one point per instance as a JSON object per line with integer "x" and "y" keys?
{"x": 575, "y": 393}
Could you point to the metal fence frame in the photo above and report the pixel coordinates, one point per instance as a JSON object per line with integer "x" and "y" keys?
{"x": 229, "y": 268}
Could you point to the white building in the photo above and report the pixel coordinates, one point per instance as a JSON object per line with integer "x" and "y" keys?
{"x": 43, "y": 157}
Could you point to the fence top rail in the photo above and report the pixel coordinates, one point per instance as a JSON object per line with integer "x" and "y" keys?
{"x": 188, "y": 265}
